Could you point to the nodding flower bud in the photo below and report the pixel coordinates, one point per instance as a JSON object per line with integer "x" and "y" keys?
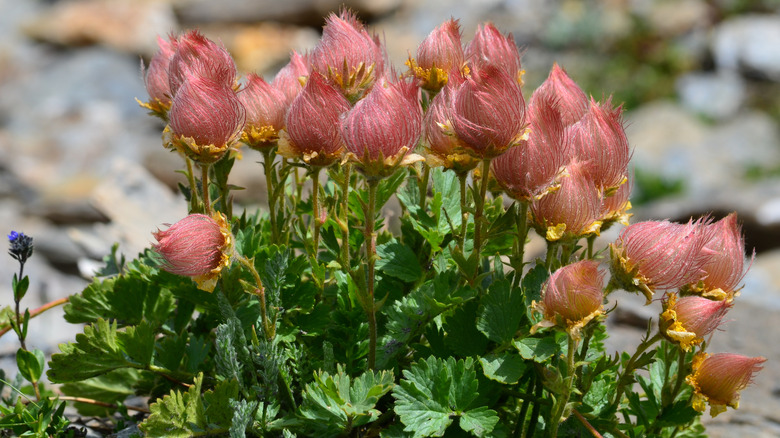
{"x": 442, "y": 147}
{"x": 653, "y": 255}
{"x": 687, "y": 320}
{"x": 156, "y": 78}
{"x": 572, "y": 297}
{"x": 615, "y": 206}
{"x": 198, "y": 56}
{"x": 725, "y": 268}
{"x": 288, "y": 80}
{"x": 348, "y": 56}
{"x": 572, "y": 101}
{"x": 381, "y": 130}
{"x": 489, "y": 112}
{"x": 717, "y": 379}
{"x": 531, "y": 169}
{"x": 197, "y": 246}
{"x": 206, "y": 118}
{"x": 600, "y": 140}
{"x": 439, "y": 56}
{"x": 571, "y": 212}
{"x": 490, "y": 47}
{"x": 312, "y": 131}
{"x": 265, "y": 110}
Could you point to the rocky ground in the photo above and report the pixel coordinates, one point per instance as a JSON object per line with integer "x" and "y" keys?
{"x": 82, "y": 167}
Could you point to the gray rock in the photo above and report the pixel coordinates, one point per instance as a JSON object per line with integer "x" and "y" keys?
{"x": 716, "y": 95}
{"x": 749, "y": 43}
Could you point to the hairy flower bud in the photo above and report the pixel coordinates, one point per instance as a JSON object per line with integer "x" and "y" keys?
{"x": 656, "y": 255}
{"x": 489, "y": 112}
{"x": 725, "y": 268}
{"x": 490, "y": 47}
{"x": 572, "y": 101}
{"x": 198, "y": 56}
{"x": 313, "y": 133}
{"x": 288, "y": 80}
{"x": 571, "y": 212}
{"x": 442, "y": 146}
{"x": 265, "y": 110}
{"x": 599, "y": 139}
{"x": 717, "y": 379}
{"x": 348, "y": 56}
{"x": 438, "y": 56}
{"x": 381, "y": 129}
{"x": 615, "y": 206}
{"x": 156, "y": 78}
{"x": 531, "y": 169}
{"x": 206, "y": 118}
{"x": 687, "y": 320}
{"x": 572, "y": 297}
{"x": 197, "y": 246}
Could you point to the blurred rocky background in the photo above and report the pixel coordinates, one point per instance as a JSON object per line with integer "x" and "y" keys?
{"x": 82, "y": 166}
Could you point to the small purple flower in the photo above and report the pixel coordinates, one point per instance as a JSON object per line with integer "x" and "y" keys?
{"x": 21, "y": 246}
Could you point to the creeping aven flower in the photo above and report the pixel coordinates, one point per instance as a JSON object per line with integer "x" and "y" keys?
{"x": 572, "y": 101}
{"x": 438, "y": 56}
{"x": 572, "y": 297}
{"x": 686, "y": 321}
{"x": 197, "y": 246}
{"x": 156, "y": 78}
{"x": 717, "y": 379}
{"x": 265, "y": 110}
{"x": 653, "y": 255}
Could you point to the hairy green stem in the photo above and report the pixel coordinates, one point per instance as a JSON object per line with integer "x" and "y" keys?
{"x": 315, "y": 206}
{"x": 268, "y": 329}
{"x": 560, "y": 403}
{"x": 370, "y": 242}
{"x": 526, "y": 404}
{"x": 204, "y": 181}
{"x": 193, "y": 186}
{"x": 644, "y": 345}
{"x": 519, "y": 247}
{"x": 480, "y": 207}
{"x": 464, "y": 223}
{"x": 424, "y": 185}
{"x": 344, "y": 222}
{"x": 268, "y": 167}
{"x": 534, "y": 420}
{"x": 591, "y": 239}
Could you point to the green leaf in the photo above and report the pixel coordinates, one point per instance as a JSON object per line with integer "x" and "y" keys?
{"x": 101, "y": 349}
{"x": 538, "y": 349}
{"x": 501, "y": 311}
{"x": 532, "y": 287}
{"x": 399, "y": 261}
{"x": 446, "y": 192}
{"x": 20, "y": 287}
{"x": 504, "y": 367}
{"x": 480, "y": 421}
{"x": 30, "y": 364}
{"x": 388, "y": 186}
{"x": 242, "y": 416}
{"x": 462, "y": 335}
{"x": 433, "y": 392}
{"x": 113, "y": 387}
{"x": 184, "y": 414}
{"x": 336, "y": 402}
{"x": 128, "y": 299}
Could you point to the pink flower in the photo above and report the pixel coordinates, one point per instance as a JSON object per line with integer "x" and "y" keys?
{"x": 313, "y": 133}
{"x": 206, "y": 118}
{"x": 489, "y": 112}
{"x": 718, "y": 379}
{"x": 615, "y": 206}
{"x": 572, "y": 297}
{"x": 571, "y": 212}
{"x": 656, "y": 255}
{"x": 442, "y": 147}
{"x": 288, "y": 80}
{"x": 348, "y": 56}
{"x": 439, "y": 56}
{"x": 383, "y": 127}
{"x": 196, "y": 246}
{"x": 572, "y": 101}
{"x": 490, "y": 47}
{"x": 725, "y": 268}
{"x": 156, "y": 78}
{"x": 687, "y": 320}
{"x": 197, "y": 55}
{"x": 531, "y": 169}
{"x": 264, "y": 112}
{"x": 600, "y": 140}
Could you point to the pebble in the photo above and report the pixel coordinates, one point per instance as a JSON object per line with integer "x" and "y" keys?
{"x": 716, "y": 95}
{"x": 750, "y": 44}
